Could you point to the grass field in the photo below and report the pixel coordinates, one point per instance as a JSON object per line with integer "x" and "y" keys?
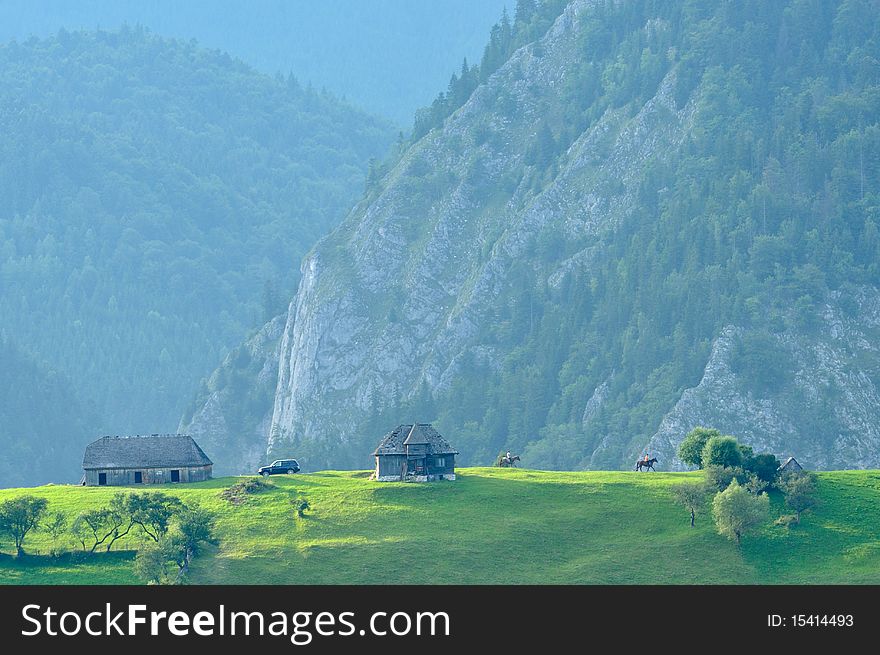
{"x": 490, "y": 526}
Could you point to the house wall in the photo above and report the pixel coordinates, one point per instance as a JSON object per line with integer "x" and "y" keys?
{"x": 448, "y": 467}
{"x": 389, "y": 466}
{"x": 125, "y": 477}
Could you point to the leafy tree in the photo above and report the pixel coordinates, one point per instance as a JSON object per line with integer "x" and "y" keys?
{"x": 800, "y": 490}
{"x": 722, "y": 451}
{"x": 690, "y": 451}
{"x": 152, "y": 512}
{"x": 692, "y": 496}
{"x": 105, "y": 525}
{"x": 196, "y": 530}
{"x": 720, "y": 477}
{"x": 56, "y": 524}
{"x": 156, "y": 563}
{"x": 764, "y": 465}
{"x": 19, "y": 516}
{"x": 737, "y": 512}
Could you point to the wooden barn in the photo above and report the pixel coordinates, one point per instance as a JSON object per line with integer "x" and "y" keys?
{"x": 148, "y": 459}
{"x": 791, "y": 466}
{"x": 414, "y": 452}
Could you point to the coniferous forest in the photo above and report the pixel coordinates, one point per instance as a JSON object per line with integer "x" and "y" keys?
{"x": 618, "y": 213}
{"x": 156, "y": 197}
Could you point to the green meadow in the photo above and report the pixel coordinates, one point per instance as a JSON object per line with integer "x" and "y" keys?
{"x": 512, "y": 526}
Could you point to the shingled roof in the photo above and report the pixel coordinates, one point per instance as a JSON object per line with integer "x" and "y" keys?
{"x": 395, "y": 442}
{"x": 153, "y": 451}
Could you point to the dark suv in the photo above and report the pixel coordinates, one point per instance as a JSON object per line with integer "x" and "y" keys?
{"x": 279, "y": 466}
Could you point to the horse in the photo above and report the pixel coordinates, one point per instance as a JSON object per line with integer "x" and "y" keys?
{"x": 504, "y": 462}
{"x": 648, "y": 465}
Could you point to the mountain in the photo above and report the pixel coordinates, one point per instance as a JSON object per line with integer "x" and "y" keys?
{"x": 387, "y": 56}
{"x": 639, "y": 217}
{"x": 231, "y": 414}
{"x": 43, "y": 425}
{"x": 156, "y": 196}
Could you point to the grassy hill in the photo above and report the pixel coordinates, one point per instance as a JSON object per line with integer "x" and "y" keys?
{"x": 490, "y": 526}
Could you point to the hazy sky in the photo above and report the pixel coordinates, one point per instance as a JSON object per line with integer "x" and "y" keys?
{"x": 388, "y": 56}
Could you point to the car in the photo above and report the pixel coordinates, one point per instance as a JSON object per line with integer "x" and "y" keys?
{"x": 279, "y": 466}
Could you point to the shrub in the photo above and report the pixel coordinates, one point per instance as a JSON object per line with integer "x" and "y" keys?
{"x": 238, "y": 493}
{"x": 786, "y": 521}
{"x": 737, "y": 512}
{"x": 720, "y": 477}
{"x": 56, "y": 526}
{"x": 300, "y": 506}
{"x": 764, "y": 465}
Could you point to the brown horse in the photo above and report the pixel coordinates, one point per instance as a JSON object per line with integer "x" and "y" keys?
{"x": 648, "y": 465}
{"x": 504, "y": 462}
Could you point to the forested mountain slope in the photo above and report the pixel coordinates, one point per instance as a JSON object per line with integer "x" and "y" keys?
{"x": 156, "y": 199}
{"x": 654, "y": 215}
{"x": 43, "y": 426}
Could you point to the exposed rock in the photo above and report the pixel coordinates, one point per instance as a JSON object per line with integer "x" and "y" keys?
{"x": 231, "y": 422}
{"x": 828, "y": 416}
{"x": 341, "y": 356}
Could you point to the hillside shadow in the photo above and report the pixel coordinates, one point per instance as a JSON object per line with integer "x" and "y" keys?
{"x": 37, "y": 560}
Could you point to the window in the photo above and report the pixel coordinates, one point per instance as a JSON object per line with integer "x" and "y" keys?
{"x": 138, "y": 477}
{"x": 440, "y": 462}
{"x": 175, "y": 475}
{"x": 102, "y": 479}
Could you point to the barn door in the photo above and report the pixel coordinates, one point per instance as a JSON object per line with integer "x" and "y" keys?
{"x": 175, "y": 475}
{"x": 102, "y": 479}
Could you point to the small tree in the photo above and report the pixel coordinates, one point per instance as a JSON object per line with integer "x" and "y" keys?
{"x": 152, "y": 512}
{"x": 167, "y": 561}
{"x": 300, "y": 506}
{"x": 690, "y": 451}
{"x": 746, "y": 453}
{"x": 754, "y": 484}
{"x": 56, "y": 526}
{"x": 736, "y": 512}
{"x": 800, "y": 491}
{"x": 720, "y": 477}
{"x": 722, "y": 451}
{"x": 692, "y": 496}
{"x": 763, "y": 465}
{"x": 196, "y": 530}
{"x": 156, "y": 563}
{"x": 19, "y": 516}
{"x": 95, "y": 527}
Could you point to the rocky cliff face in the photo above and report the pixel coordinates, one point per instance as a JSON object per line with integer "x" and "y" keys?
{"x": 580, "y": 267}
{"x": 230, "y": 419}
{"x": 827, "y": 411}
{"x": 396, "y": 297}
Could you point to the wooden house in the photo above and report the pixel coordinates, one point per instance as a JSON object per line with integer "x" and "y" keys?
{"x": 414, "y": 452}
{"x": 791, "y": 466}
{"x": 153, "y": 459}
